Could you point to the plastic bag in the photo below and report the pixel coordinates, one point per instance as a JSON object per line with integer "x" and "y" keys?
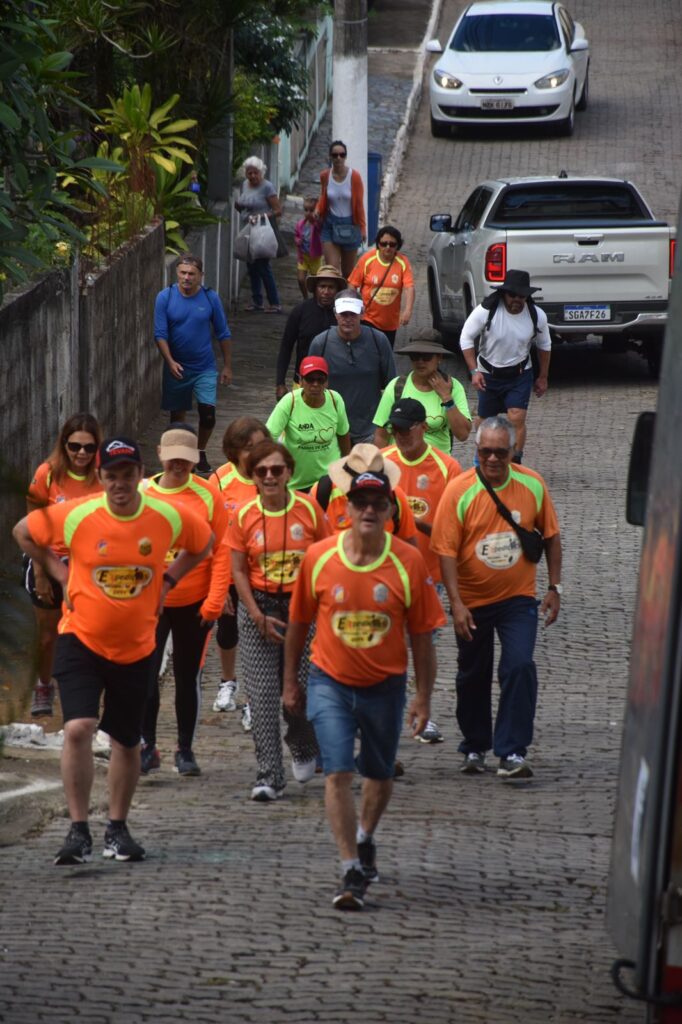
{"x": 262, "y": 240}
{"x": 241, "y": 242}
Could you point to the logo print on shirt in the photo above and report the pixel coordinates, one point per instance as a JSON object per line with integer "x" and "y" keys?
{"x": 422, "y": 482}
{"x": 338, "y": 593}
{"x": 258, "y": 537}
{"x": 297, "y": 532}
{"x": 516, "y": 515}
{"x": 60, "y": 497}
{"x": 361, "y": 630}
{"x": 394, "y": 278}
{"x": 281, "y": 566}
{"x": 144, "y": 546}
{"x": 499, "y": 550}
{"x": 101, "y": 547}
{"x": 122, "y": 582}
{"x": 380, "y": 593}
{"x": 419, "y": 506}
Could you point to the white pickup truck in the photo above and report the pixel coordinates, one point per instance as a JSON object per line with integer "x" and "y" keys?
{"x": 592, "y": 245}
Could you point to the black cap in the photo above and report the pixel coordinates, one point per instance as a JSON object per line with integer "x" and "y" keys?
{"x": 377, "y": 482}
{"x": 114, "y": 451}
{"x": 406, "y": 412}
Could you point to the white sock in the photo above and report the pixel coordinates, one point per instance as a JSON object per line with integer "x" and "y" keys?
{"x": 346, "y": 865}
{"x": 362, "y": 836}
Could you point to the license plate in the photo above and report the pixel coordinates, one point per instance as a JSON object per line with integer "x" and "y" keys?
{"x": 497, "y": 105}
{"x": 591, "y": 312}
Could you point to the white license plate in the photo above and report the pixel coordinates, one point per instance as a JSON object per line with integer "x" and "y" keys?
{"x": 497, "y": 105}
{"x": 591, "y": 312}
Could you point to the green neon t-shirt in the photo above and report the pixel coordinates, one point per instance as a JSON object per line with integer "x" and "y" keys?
{"x": 437, "y": 430}
{"x": 311, "y": 435}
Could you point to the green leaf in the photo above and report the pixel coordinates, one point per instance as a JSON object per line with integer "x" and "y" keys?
{"x": 9, "y": 118}
{"x": 162, "y": 161}
{"x": 57, "y": 61}
{"x": 96, "y": 163}
{"x": 179, "y": 126}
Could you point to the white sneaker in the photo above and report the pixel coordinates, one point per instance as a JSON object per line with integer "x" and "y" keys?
{"x": 264, "y": 793}
{"x": 247, "y": 724}
{"x": 226, "y": 693}
{"x": 303, "y": 771}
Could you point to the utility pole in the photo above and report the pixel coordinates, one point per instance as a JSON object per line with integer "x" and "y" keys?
{"x": 349, "y": 111}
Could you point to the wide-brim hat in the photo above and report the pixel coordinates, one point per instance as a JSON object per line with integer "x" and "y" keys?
{"x": 517, "y": 282}
{"x": 362, "y": 458}
{"x": 431, "y": 348}
{"x": 326, "y": 273}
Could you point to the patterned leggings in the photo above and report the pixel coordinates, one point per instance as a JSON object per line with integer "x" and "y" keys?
{"x": 262, "y": 671}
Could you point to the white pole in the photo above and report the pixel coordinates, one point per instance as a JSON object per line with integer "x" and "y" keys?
{"x": 349, "y": 111}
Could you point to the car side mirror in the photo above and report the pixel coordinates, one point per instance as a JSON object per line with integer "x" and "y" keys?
{"x": 578, "y": 45}
{"x": 433, "y": 46}
{"x": 639, "y": 469}
{"x": 440, "y": 222}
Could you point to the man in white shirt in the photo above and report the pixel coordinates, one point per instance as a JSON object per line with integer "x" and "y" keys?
{"x": 506, "y": 324}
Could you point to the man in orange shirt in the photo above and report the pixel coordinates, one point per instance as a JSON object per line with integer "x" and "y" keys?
{"x": 424, "y": 474}
{"x": 491, "y": 585}
{"x": 382, "y": 276}
{"x": 365, "y": 589}
{"x": 114, "y": 588}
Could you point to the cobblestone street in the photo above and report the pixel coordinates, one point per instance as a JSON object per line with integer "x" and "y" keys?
{"x": 490, "y": 908}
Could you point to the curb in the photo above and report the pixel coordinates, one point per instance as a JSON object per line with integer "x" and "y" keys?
{"x": 389, "y": 183}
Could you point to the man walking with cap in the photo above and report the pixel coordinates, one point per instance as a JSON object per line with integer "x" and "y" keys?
{"x": 306, "y": 320}
{"x": 360, "y": 362}
{"x": 366, "y": 590}
{"x": 185, "y": 314}
{"x": 506, "y": 324}
{"x": 114, "y": 587}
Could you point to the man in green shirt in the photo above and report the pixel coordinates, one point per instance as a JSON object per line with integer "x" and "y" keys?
{"x": 312, "y": 423}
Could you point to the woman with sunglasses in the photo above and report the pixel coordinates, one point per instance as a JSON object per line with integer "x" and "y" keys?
{"x": 269, "y": 537}
{"x": 443, "y": 397}
{"x": 68, "y": 472}
{"x": 341, "y": 208}
{"x": 382, "y": 277}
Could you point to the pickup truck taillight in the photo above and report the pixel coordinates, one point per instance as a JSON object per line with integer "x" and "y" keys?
{"x": 496, "y": 262}
{"x": 673, "y": 246}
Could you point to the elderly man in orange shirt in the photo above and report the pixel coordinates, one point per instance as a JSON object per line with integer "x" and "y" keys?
{"x": 485, "y": 535}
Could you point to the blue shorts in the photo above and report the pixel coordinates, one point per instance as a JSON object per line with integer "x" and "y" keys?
{"x": 326, "y": 232}
{"x": 338, "y": 712}
{"x": 502, "y": 394}
{"x": 176, "y": 395}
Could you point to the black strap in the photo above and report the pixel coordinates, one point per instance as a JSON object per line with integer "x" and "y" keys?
{"x": 502, "y": 508}
{"x": 380, "y": 285}
{"x": 491, "y": 302}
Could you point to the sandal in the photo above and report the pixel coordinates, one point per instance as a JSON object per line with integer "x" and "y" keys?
{"x": 274, "y": 309}
{"x": 253, "y": 308}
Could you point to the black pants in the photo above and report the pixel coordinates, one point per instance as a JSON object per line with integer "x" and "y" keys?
{"x": 189, "y": 641}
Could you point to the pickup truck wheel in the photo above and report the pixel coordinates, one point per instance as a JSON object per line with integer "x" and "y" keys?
{"x": 567, "y": 126}
{"x": 585, "y": 94}
{"x": 439, "y": 129}
{"x": 436, "y": 318}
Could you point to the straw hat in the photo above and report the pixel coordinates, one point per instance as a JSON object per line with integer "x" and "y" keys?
{"x": 325, "y": 273}
{"x": 362, "y": 458}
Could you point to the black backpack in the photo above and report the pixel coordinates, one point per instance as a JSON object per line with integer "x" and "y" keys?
{"x": 491, "y": 302}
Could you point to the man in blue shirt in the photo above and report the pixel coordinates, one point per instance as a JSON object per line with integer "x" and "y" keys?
{"x": 184, "y": 315}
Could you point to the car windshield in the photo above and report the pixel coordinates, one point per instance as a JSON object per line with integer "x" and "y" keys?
{"x": 506, "y": 33}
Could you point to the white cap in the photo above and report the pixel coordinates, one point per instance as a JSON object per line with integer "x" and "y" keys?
{"x": 348, "y": 304}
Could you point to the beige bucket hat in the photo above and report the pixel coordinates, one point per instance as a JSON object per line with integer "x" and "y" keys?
{"x": 326, "y": 273}
{"x": 362, "y": 458}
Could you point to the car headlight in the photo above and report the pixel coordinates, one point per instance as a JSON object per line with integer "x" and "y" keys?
{"x": 445, "y": 80}
{"x": 554, "y": 80}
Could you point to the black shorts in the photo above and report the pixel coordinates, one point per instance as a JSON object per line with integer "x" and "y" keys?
{"x": 228, "y": 631}
{"x": 83, "y": 676}
{"x": 30, "y": 586}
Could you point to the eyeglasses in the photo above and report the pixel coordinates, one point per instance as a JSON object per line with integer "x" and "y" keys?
{"x": 388, "y": 245}
{"x": 262, "y": 471}
{"x": 337, "y": 155}
{"x": 499, "y": 453}
{"x": 361, "y": 502}
{"x": 422, "y": 357}
{"x": 90, "y": 448}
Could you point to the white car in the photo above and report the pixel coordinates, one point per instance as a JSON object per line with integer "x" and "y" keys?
{"x": 510, "y": 62}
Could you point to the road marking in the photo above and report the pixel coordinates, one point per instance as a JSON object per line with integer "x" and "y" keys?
{"x": 39, "y": 786}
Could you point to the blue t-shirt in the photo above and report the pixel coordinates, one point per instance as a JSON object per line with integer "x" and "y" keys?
{"x": 185, "y": 323}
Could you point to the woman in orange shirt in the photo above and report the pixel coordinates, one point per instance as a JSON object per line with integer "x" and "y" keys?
{"x": 68, "y": 472}
{"x": 240, "y": 437}
{"x": 269, "y": 537}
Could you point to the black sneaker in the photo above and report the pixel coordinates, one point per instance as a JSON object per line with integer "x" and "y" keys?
{"x": 202, "y": 467}
{"x": 120, "y": 845}
{"x": 367, "y": 852}
{"x": 77, "y": 848}
{"x": 350, "y": 895}
{"x": 150, "y": 759}
{"x": 185, "y": 763}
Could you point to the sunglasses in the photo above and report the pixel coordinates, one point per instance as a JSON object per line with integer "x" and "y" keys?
{"x": 262, "y": 471}
{"x": 361, "y": 502}
{"x": 90, "y": 448}
{"x": 422, "y": 357}
{"x": 388, "y": 245}
{"x": 499, "y": 453}
{"x": 337, "y": 156}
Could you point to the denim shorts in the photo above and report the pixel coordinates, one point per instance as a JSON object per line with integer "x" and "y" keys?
{"x": 327, "y": 225}
{"x": 177, "y": 394}
{"x": 338, "y": 712}
{"x": 501, "y": 394}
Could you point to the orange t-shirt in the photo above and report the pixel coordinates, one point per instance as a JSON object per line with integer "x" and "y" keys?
{"x": 44, "y": 490}
{"x": 275, "y": 542}
{"x": 210, "y": 579}
{"x": 116, "y": 567}
{"x": 361, "y": 611}
{"x": 424, "y": 481}
{"x": 381, "y": 288}
{"x": 235, "y": 488}
{"x": 338, "y": 518}
{"x": 490, "y": 564}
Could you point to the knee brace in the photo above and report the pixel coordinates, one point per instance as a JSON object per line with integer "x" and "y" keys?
{"x": 206, "y": 415}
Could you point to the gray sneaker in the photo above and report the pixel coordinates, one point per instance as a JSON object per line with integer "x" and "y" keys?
{"x": 514, "y": 767}
{"x": 185, "y": 763}
{"x": 430, "y": 733}
{"x": 473, "y": 764}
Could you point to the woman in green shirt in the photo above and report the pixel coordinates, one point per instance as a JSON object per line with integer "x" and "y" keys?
{"x": 443, "y": 397}
{"x": 312, "y": 424}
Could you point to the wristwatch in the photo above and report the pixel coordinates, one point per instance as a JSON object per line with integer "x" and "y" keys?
{"x": 557, "y": 588}
{"x": 450, "y": 404}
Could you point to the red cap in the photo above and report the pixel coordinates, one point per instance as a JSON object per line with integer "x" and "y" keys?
{"x": 313, "y": 363}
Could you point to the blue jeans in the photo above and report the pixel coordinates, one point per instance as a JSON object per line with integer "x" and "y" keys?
{"x": 516, "y": 622}
{"x": 338, "y": 712}
{"x": 260, "y": 273}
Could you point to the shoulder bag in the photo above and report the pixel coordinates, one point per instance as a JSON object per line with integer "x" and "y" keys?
{"x": 532, "y": 542}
